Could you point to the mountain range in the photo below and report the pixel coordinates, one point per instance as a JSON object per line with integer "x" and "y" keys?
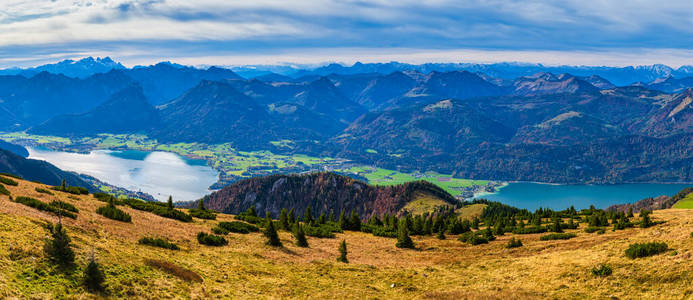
{"x": 541, "y": 127}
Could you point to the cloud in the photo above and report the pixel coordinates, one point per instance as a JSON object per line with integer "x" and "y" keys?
{"x": 271, "y": 27}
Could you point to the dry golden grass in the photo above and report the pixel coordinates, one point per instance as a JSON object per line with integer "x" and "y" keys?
{"x": 246, "y": 268}
{"x": 423, "y": 203}
{"x": 470, "y": 212}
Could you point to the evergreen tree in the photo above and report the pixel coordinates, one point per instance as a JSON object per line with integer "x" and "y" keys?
{"x": 475, "y": 223}
{"x": 271, "y": 232}
{"x": 300, "y": 236}
{"x": 170, "y": 203}
{"x": 403, "y": 238}
{"x": 332, "y": 217}
{"x": 292, "y": 216}
{"x": 343, "y": 222}
{"x": 322, "y": 219}
{"x": 355, "y": 222}
{"x": 201, "y": 205}
{"x": 556, "y": 225}
{"x": 645, "y": 220}
{"x": 284, "y": 219}
{"x": 630, "y": 211}
{"x": 441, "y": 233}
{"x": 308, "y": 216}
{"x": 58, "y": 246}
{"x": 342, "y": 252}
{"x": 63, "y": 186}
{"x": 93, "y": 276}
{"x": 488, "y": 234}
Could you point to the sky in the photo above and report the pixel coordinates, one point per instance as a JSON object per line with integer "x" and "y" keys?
{"x": 229, "y": 32}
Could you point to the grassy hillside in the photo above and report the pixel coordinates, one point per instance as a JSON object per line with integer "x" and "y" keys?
{"x": 247, "y": 268}
{"x": 686, "y": 202}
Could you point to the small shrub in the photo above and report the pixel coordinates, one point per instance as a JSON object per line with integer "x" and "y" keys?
{"x": 602, "y": 271}
{"x": 321, "y": 230}
{"x": 76, "y": 190}
{"x": 473, "y": 238}
{"x": 103, "y": 197}
{"x": 638, "y": 250}
{"x": 219, "y": 231}
{"x": 403, "y": 238}
{"x": 43, "y": 191}
{"x": 271, "y": 233}
{"x": 158, "y": 242}
{"x": 211, "y": 240}
{"x": 300, "y": 236}
{"x": 64, "y": 205}
{"x": 3, "y": 190}
{"x": 557, "y": 236}
{"x": 236, "y": 227}
{"x": 8, "y": 181}
{"x": 11, "y": 175}
{"x": 114, "y": 213}
{"x": 593, "y": 229}
{"x": 174, "y": 270}
{"x": 157, "y": 208}
{"x": 31, "y": 202}
{"x": 529, "y": 230}
{"x": 514, "y": 243}
{"x": 250, "y": 219}
{"x": 202, "y": 214}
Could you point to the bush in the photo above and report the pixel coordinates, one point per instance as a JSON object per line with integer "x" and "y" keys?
{"x": 530, "y": 230}
{"x": 592, "y": 229}
{"x": 473, "y": 238}
{"x": 64, "y": 205}
{"x": 237, "y": 227}
{"x": 8, "y": 181}
{"x": 211, "y": 240}
{"x": 3, "y": 190}
{"x": 43, "y": 191}
{"x": 103, "y": 197}
{"x": 31, "y": 202}
{"x": 11, "y": 175}
{"x": 603, "y": 270}
{"x": 158, "y": 208}
{"x": 645, "y": 249}
{"x": 326, "y": 230}
{"x": 202, "y": 214}
{"x": 250, "y": 219}
{"x": 158, "y": 242}
{"x": 557, "y": 236}
{"x": 381, "y": 231}
{"x": 114, "y": 213}
{"x": 76, "y": 190}
{"x": 514, "y": 243}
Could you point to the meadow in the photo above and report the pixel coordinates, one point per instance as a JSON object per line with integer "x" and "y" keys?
{"x": 247, "y": 268}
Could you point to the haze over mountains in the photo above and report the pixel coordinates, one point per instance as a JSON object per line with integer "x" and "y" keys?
{"x": 551, "y": 127}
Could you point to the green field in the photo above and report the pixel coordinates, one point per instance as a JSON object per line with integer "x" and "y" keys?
{"x": 234, "y": 164}
{"x": 686, "y": 202}
{"x": 379, "y": 176}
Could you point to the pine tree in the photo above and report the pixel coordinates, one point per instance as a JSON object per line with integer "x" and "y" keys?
{"x": 475, "y": 223}
{"x": 343, "y": 252}
{"x": 332, "y": 217}
{"x": 284, "y": 219}
{"x": 343, "y": 222}
{"x": 58, "y": 246}
{"x": 441, "y": 233}
{"x": 308, "y": 216}
{"x": 403, "y": 239}
{"x": 322, "y": 219}
{"x": 355, "y": 221}
{"x": 271, "y": 233}
{"x": 292, "y": 216}
{"x": 300, "y": 236}
{"x": 556, "y": 225}
{"x": 170, "y": 203}
{"x": 93, "y": 275}
{"x": 645, "y": 220}
{"x": 63, "y": 186}
{"x": 201, "y": 205}
{"x": 630, "y": 211}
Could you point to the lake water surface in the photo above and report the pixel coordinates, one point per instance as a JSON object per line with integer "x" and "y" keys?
{"x": 159, "y": 174}
{"x": 534, "y": 195}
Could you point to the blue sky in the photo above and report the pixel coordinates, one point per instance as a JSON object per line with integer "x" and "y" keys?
{"x": 268, "y": 31}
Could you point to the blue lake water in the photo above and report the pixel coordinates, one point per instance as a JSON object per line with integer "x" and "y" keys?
{"x": 159, "y": 174}
{"x": 534, "y": 195}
